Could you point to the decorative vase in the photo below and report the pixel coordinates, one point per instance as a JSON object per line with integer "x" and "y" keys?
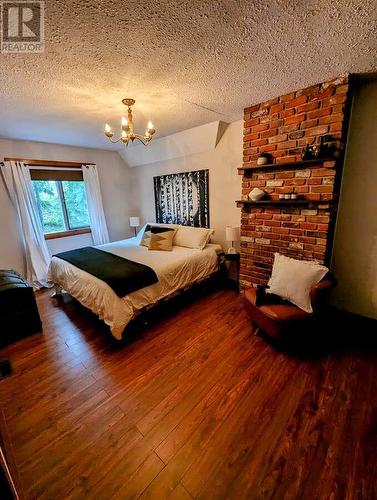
{"x": 256, "y": 194}
{"x": 263, "y": 159}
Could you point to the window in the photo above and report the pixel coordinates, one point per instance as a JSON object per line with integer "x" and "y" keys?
{"x": 62, "y": 203}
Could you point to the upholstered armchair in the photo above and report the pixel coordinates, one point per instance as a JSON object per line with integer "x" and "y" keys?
{"x": 279, "y": 317}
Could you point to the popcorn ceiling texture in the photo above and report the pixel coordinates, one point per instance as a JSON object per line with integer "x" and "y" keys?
{"x": 185, "y": 62}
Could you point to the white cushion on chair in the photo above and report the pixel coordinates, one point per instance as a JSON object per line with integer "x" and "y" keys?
{"x": 293, "y": 279}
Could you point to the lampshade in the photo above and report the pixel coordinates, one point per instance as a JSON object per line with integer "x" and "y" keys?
{"x": 231, "y": 233}
{"x": 134, "y": 221}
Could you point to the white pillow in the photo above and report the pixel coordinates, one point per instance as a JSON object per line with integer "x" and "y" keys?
{"x": 192, "y": 237}
{"x": 293, "y": 279}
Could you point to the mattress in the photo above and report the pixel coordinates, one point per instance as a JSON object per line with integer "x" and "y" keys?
{"x": 175, "y": 270}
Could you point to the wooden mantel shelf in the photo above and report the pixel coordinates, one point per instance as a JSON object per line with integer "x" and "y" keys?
{"x": 282, "y": 203}
{"x": 324, "y": 162}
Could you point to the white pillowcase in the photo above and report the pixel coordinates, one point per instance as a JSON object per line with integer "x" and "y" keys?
{"x": 192, "y": 237}
{"x": 293, "y": 279}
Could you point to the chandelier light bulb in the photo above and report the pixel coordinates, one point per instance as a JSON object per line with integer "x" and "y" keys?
{"x": 127, "y": 131}
{"x": 108, "y": 132}
{"x": 150, "y": 128}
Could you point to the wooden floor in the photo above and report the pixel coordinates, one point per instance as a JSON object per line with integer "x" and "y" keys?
{"x": 196, "y": 406}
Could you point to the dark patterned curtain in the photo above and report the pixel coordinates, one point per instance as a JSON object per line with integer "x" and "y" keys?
{"x": 182, "y": 198}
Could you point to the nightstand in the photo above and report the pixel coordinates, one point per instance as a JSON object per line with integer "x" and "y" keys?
{"x": 233, "y": 270}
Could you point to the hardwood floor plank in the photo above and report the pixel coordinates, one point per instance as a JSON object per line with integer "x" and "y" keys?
{"x": 99, "y": 471}
{"x": 189, "y": 385}
{"x": 159, "y": 351}
{"x": 132, "y": 487}
{"x": 196, "y": 406}
{"x": 186, "y": 427}
{"x": 180, "y": 493}
{"x": 30, "y": 424}
{"x": 58, "y": 393}
{"x": 60, "y": 456}
{"x": 40, "y": 357}
{"x": 230, "y": 380}
{"x": 198, "y": 441}
{"x": 257, "y": 427}
{"x": 42, "y": 383}
{"x": 62, "y": 425}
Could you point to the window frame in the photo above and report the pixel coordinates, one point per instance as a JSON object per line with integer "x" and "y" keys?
{"x": 64, "y": 234}
{"x": 59, "y": 176}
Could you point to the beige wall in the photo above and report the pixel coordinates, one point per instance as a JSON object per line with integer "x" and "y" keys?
{"x": 114, "y": 180}
{"x": 355, "y": 248}
{"x": 224, "y": 181}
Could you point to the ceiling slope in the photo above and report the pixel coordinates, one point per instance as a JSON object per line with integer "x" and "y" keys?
{"x": 188, "y": 142}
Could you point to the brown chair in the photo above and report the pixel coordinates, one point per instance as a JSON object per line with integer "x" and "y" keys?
{"x": 279, "y": 318}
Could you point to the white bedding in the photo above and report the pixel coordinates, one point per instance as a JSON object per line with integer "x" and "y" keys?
{"x": 175, "y": 270}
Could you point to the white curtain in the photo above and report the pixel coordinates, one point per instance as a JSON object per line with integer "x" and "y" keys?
{"x": 98, "y": 225}
{"x": 17, "y": 179}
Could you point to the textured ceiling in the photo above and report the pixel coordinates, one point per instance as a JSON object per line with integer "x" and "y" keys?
{"x": 186, "y": 62}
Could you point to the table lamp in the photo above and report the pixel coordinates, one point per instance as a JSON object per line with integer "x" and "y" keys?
{"x": 231, "y": 235}
{"x": 134, "y": 222}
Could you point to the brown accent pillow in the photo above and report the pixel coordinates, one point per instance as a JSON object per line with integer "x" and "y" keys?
{"x": 149, "y": 230}
{"x": 161, "y": 241}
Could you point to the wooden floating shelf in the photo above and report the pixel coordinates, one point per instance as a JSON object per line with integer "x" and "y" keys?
{"x": 291, "y": 165}
{"x": 282, "y": 203}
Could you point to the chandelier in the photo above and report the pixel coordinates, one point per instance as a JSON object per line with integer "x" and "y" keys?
{"x": 127, "y": 128}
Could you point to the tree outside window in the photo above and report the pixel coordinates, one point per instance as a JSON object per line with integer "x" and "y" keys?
{"x": 62, "y": 205}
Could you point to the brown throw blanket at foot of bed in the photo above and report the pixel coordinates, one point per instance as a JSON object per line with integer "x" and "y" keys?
{"x": 122, "y": 275}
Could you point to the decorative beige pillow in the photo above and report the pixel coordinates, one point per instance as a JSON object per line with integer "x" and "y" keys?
{"x": 192, "y": 237}
{"x": 162, "y": 240}
{"x": 293, "y": 279}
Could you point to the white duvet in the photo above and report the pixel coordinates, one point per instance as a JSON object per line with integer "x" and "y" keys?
{"x": 175, "y": 270}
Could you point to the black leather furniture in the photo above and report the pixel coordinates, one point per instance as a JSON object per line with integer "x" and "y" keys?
{"x": 19, "y": 316}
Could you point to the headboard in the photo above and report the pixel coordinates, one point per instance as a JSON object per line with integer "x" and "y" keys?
{"x": 182, "y": 198}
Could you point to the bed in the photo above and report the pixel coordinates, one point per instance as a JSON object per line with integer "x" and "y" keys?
{"x": 176, "y": 270}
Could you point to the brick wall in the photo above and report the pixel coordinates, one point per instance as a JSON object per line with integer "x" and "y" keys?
{"x": 282, "y": 127}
